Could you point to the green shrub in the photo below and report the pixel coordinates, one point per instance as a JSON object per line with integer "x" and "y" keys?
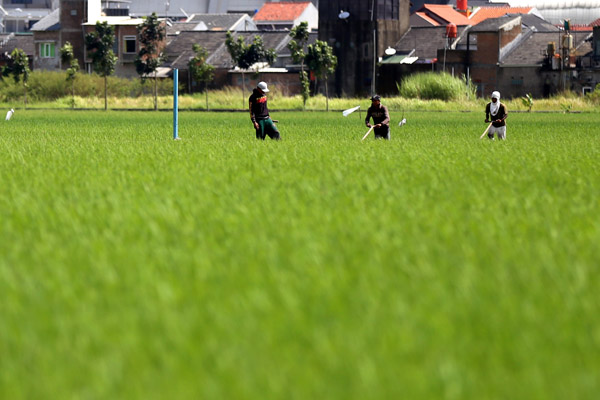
{"x": 527, "y": 101}
{"x": 594, "y": 97}
{"x": 51, "y": 85}
{"x": 436, "y": 86}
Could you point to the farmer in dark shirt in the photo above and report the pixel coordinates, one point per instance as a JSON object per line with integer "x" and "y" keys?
{"x": 496, "y": 113}
{"x": 381, "y": 118}
{"x": 259, "y": 113}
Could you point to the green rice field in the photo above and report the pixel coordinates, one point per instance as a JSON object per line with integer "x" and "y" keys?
{"x": 432, "y": 266}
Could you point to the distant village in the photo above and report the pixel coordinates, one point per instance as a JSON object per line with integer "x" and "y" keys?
{"x": 514, "y": 46}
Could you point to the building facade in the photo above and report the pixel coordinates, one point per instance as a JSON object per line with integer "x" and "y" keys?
{"x": 360, "y": 32}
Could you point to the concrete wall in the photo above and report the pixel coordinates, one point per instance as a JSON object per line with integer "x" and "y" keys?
{"x": 46, "y": 63}
{"x": 518, "y": 81}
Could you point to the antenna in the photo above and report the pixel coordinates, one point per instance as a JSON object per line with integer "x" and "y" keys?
{"x": 343, "y": 14}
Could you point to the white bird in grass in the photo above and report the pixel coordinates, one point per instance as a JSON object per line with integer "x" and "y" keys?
{"x": 10, "y": 113}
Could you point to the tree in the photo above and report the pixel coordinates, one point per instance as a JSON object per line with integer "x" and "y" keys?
{"x": 200, "y": 69}
{"x": 99, "y": 44}
{"x": 18, "y": 66}
{"x": 245, "y": 55}
{"x": 67, "y": 57}
{"x": 321, "y": 60}
{"x": 300, "y": 35}
{"x": 152, "y": 34}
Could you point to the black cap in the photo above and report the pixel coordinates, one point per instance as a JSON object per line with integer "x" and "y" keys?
{"x": 376, "y": 97}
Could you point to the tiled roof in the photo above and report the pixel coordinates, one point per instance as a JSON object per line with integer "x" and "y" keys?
{"x": 281, "y": 11}
{"x": 582, "y": 28}
{"x": 217, "y": 22}
{"x": 427, "y": 18}
{"x": 531, "y": 50}
{"x": 483, "y": 13}
{"x": 585, "y": 49}
{"x": 49, "y": 23}
{"x": 595, "y": 23}
{"x": 175, "y": 27}
{"x": 540, "y": 24}
{"x": 424, "y": 40}
{"x": 180, "y": 50}
{"x": 23, "y": 41}
{"x": 446, "y": 13}
{"x": 494, "y": 24}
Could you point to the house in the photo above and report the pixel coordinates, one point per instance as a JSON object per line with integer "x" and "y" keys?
{"x": 286, "y": 15}
{"x": 126, "y": 46}
{"x": 20, "y": 15}
{"x": 11, "y": 41}
{"x": 182, "y": 9}
{"x": 46, "y": 33}
{"x": 282, "y": 74}
{"x": 518, "y": 54}
{"x": 71, "y": 21}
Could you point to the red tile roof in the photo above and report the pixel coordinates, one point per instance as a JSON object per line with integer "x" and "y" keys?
{"x": 582, "y": 28}
{"x": 595, "y": 23}
{"x": 281, "y": 11}
{"x": 427, "y": 18}
{"x": 483, "y": 13}
{"x": 447, "y": 13}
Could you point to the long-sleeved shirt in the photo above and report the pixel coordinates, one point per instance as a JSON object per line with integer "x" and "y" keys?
{"x": 379, "y": 114}
{"x": 502, "y": 114}
{"x": 258, "y": 106}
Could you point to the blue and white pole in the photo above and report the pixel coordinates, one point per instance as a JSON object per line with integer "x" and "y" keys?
{"x": 175, "y": 104}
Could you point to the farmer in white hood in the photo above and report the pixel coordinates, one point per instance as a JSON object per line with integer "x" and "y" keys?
{"x": 495, "y": 112}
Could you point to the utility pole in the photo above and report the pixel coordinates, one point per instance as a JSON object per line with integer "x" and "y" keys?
{"x": 374, "y": 45}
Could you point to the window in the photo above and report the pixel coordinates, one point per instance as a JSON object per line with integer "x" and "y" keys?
{"x": 128, "y": 44}
{"x": 47, "y": 50}
{"x": 516, "y": 81}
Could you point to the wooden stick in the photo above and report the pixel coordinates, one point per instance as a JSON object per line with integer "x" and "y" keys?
{"x": 486, "y": 131}
{"x": 367, "y": 134}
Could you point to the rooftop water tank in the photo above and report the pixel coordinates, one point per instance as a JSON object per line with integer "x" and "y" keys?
{"x": 451, "y": 31}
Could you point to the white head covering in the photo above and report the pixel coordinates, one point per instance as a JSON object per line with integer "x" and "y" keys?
{"x": 494, "y": 107}
{"x": 262, "y": 86}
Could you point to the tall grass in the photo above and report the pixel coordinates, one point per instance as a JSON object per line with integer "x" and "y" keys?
{"x": 48, "y": 90}
{"x": 50, "y": 85}
{"x": 436, "y": 86}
